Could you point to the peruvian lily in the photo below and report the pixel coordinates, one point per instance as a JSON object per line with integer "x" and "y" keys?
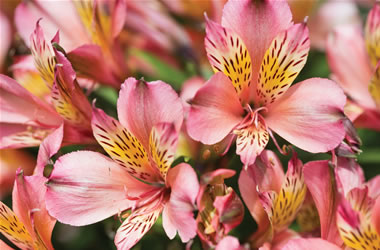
{"x": 91, "y": 39}
{"x": 220, "y": 209}
{"x": 354, "y": 60}
{"x": 277, "y": 199}
{"x": 137, "y": 182}
{"x": 26, "y": 119}
{"x": 29, "y": 225}
{"x": 256, "y": 61}
{"x": 345, "y": 203}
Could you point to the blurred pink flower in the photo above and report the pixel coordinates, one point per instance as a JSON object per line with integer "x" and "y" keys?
{"x": 353, "y": 60}
{"x": 345, "y": 205}
{"x": 137, "y": 183}
{"x": 249, "y": 99}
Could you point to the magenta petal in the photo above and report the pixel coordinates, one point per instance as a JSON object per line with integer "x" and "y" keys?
{"x": 249, "y": 19}
{"x": 215, "y": 110}
{"x": 309, "y": 115}
{"x": 49, "y": 147}
{"x": 178, "y": 212}
{"x": 86, "y": 187}
{"x": 319, "y": 180}
{"x": 376, "y": 215}
{"x": 310, "y": 244}
{"x": 374, "y": 187}
{"x": 142, "y": 105}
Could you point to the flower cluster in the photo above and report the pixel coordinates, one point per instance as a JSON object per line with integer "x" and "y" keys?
{"x": 167, "y": 115}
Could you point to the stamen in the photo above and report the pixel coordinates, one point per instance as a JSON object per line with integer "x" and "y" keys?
{"x": 283, "y": 150}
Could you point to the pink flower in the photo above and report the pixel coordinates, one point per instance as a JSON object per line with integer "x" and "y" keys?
{"x": 26, "y": 119}
{"x": 220, "y": 209}
{"x": 345, "y": 205}
{"x": 277, "y": 199}
{"x": 29, "y": 225}
{"x": 137, "y": 183}
{"x": 353, "y": 60}
{"x": 256, "y": 61}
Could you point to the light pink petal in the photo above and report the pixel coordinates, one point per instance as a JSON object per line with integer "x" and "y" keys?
{"x": 17, "y": 105}
{"x": 137, "y": 225}
{"x": 229, "y": 243}
{"x": 374, "y": 187}
{"x": 86, "y": 187}
{"x": 142, "y": 105}
{"x": 215, "y": 110}
{"x": 348, "y": 175}
{"x": 55, "y": 16}
{"x": 188, "y": 91}
{"x": 309, "y": 115}
{"x": 251, "y": 141}
{"x": 49, "y": 147}
{"x": 178, "y": 212}
{"x": 310, "y": 244}
{"x": 319, "y": 180}
{"x": 119, "y": 15}
{"x": 350, "y": 64}
{"x": 89, "y": 61}
{"x": 329, "y": 15}
{"x": 250, "y": 21}
{"x": 4, "y": 246}
{"x": 267, "y": 174}
{"x": 6, "y": 38}
{"x": 29, "y": 205}
{"x": 376, "y": 215}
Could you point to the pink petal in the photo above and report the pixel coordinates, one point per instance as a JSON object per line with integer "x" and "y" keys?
{"x": 374, "y": 187}
{"x": 348, "y": 175}
{"x": 318, "y": 178}
{"x": 142, "y": 105}
{"x": 162, "y": 146}
{"x": 349, "y": 63}
{"x": 118, "y": 17}
{"x": 89, "y": 60}
{"x": 250, "y": 21}
{"x": 136, "y": 226}
{"x": 376, "y": 215}
{"x": 188, "y": 91}
{"x": 310, "y": 243}
{"x": 17, "y": 105}
{"x": 372, "y": 30}
{"x": 123, "y": 147}
{"x": 49, "y": 147}
{"x": 56, "y": 16}
{"x": 178, "y": 212}
{"x": 6, "y": 38}
{"x": 29, "y": 205}
{"x": 227, "y": 53}
{"x": 91, "y": 191}
{"x": 309, "y": 116}
{"x": 250, "y": 142}
{"x": 215, "y": 110}
{"x": 4, "y": 246}
{"x": 229, "y": 243}
{"x": 267, "y": 174}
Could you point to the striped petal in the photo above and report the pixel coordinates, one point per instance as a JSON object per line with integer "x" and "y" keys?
{"x": 67, "y": 97}
{"x": 282, "y": 63}
{"x": 283, "y": 207}
{"x": 43, "y": 54}
{"x": 122, "y": 146}
{"x": 12, "y": 228}
{"x": 227, "y": 53}
{"x": 162, "y": 146}
{"x": 372, "y": 34}
{"x": 19, "y": 136}
{"x": 354, "y": 221}
{"x": 251, "y": 141}
{"x": 136, "y": 226}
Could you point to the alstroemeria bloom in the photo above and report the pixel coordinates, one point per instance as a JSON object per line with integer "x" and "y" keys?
{"x": 354, "y": 60}
{"x": 257, "y": 53}
{"x": 345, "y": 203}
{"x": 137, "y": 183}
{"x": 277, "y": 200}
{"x": 88, "y": 32}
{"x": 220, "y": 209}
{"x": 26, "y": 119}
